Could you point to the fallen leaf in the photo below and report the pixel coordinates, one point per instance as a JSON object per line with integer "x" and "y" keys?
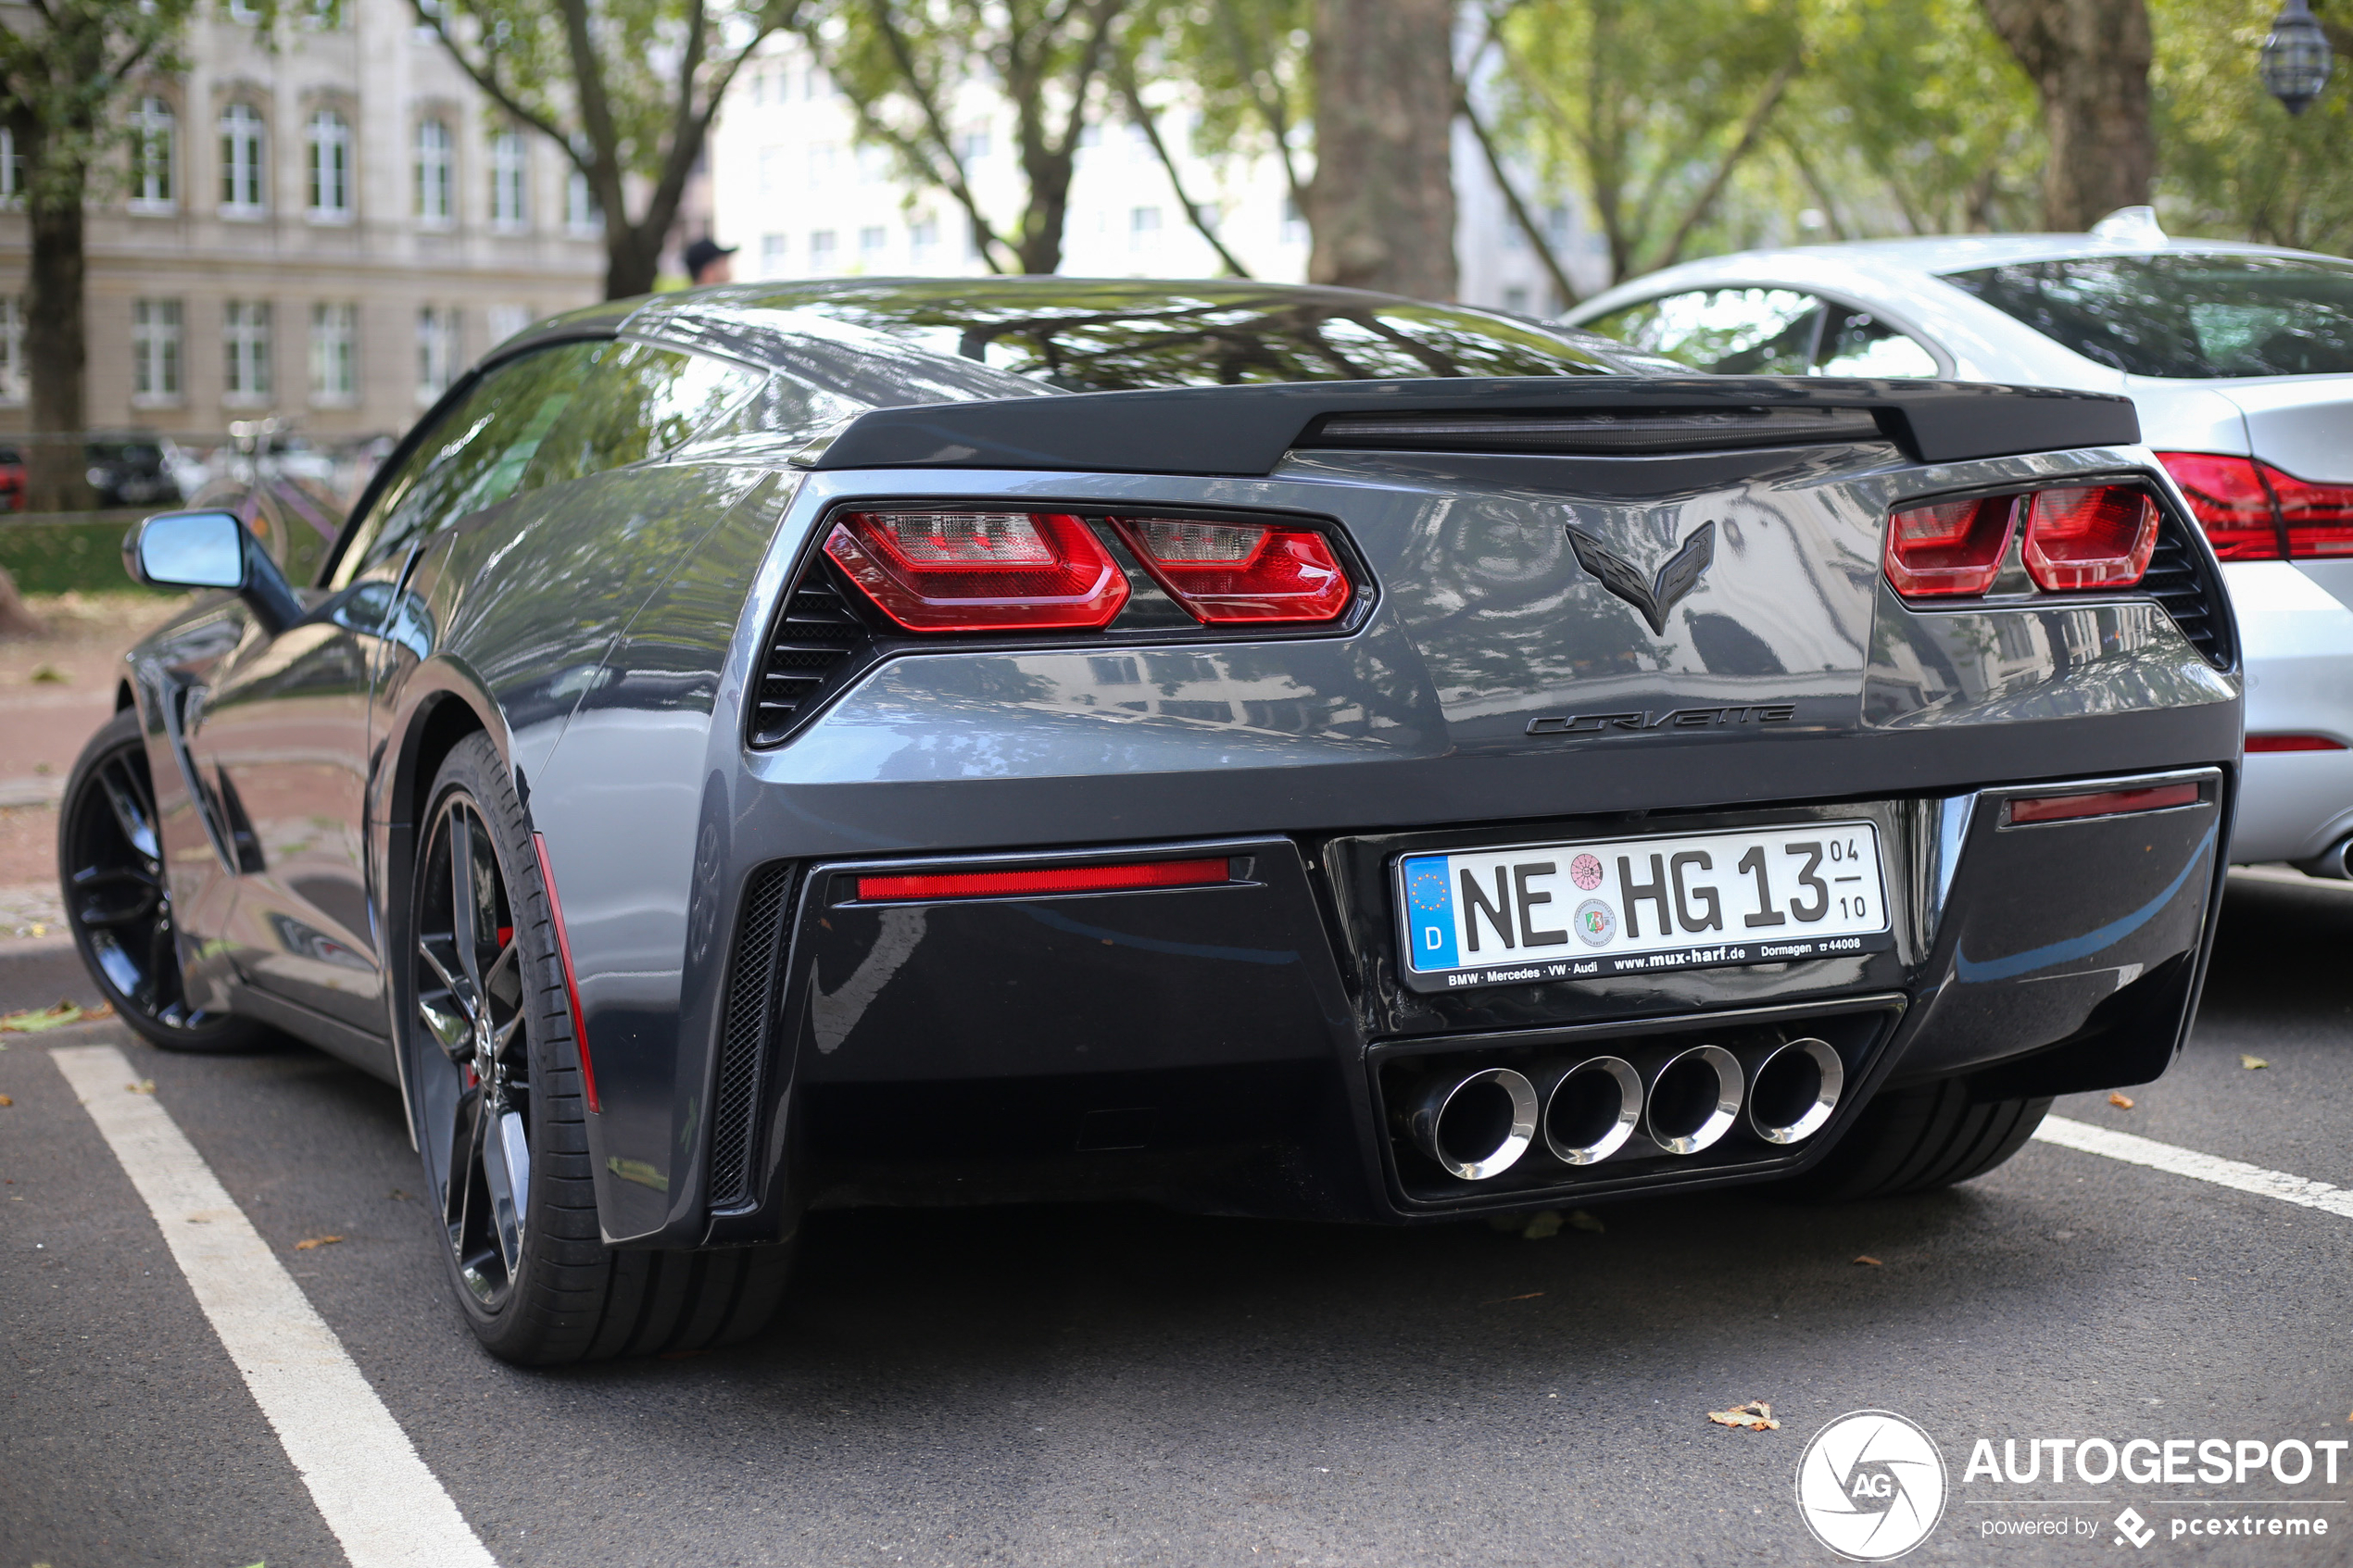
{"x": 1580, "y": 1219}
{"x": 5, "y": 1100}
{"x": 2252, "y": 1062}
{"x": 48, "y": 675}
{"x": 398, "y": 1196}
{"x": 1753, "y": 1416}
{"x": 2121, "y": 1102}
{"x": 143, "y": 1086}
{"x": 316, "y": 1241}
{"x": 1502, "y": 1300}
{"x": 1867, "y": 1257}
{"x": 1542, "y": 1226}
{"x": 33, "y": 1021}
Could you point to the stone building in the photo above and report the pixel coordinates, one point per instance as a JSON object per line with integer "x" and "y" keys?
{"x": 325, "y": 232}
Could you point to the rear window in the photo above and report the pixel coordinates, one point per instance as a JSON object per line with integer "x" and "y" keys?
{"x": 2185, "y": 315}
{"x": 1097, "y": 338}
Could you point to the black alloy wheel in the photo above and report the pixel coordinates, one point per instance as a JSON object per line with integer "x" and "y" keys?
{"x": 117, "y": 898}
{"x": 475, "y": 1094}
{"x": 502, "y": 1116}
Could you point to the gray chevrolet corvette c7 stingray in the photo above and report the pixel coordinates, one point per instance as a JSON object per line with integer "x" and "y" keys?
{"x": 1267, "y": 750}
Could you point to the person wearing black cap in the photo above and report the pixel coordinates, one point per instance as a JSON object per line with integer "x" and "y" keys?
{"x": 707, "y": 262}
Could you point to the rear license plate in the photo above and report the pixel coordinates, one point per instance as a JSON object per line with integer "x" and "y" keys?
{"x": 1639, "y": 906}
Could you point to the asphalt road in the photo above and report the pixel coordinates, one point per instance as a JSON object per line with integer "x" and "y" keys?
{"x": 1101, "y": 1386}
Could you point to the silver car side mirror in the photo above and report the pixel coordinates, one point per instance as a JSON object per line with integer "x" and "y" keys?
{"x": 210, "y": 550}
{"x": 188, "y": 550}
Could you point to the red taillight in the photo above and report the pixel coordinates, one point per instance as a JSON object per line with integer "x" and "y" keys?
{"x": 2103, "y": 803}
{"x": 1052, "y": 879}
{"x": 1950, "y": 548}
{"x": 2253, "y": 511}
{"x": 571, "y": 988}
{"x": 979, "y": 572}
{"x": 2292, "y": 743}
{"x": 1232, "y": 571}
{"x": 2098, "y": 536}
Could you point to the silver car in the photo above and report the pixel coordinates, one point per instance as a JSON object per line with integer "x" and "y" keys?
{"x": 2240, "y": 360}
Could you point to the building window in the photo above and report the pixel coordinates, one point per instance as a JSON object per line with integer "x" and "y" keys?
{"x": 770, "y": 163}
{"x": 245, "y": 348}
{"x": 923, "y": 237}
{"x": 871, "y": 242}
{"x": 772, "y": 260}
{"x": 504, "y": 320}
{"x": 334, "y": 355}
{"x": 509, "y": 172}
{"x": 1515, "y": 299}
{"x": 330, "y": 138}
{"x": 582, "y": 215}
{"x": 1143, "y": 227}
{"x": 244, "y": 11}
{"x": 154, "y": 130}
{"x": 324, "y": 15}
{"x": 1294, "y": 222}
{"x": 821, "y": 164}
{"x": 154, "y": 350}
{"x": 433, "y": 182}
{"x": 241, "y": 171}
{"x": 436, "y": 351}
{"x": 821, "y": 250}
{"x": 12, "y": 380}
{"x": 11, "y": 170}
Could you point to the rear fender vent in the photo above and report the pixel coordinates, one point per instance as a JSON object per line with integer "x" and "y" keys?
{"x": 814, "y": 641}
{"x": 1598, "y": 433}
{"x": 746, "y": 1034}
{"x": 2179, "y": 579}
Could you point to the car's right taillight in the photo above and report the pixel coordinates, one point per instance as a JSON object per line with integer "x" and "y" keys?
{"x": 2253, "y": 511}
{"x": 979, "y": 570}
{"x": 1950, "y": 548}
{"x": 2092, "y": 536}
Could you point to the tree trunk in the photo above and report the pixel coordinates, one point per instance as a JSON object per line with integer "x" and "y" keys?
{"x": 1381, "y": 207}
{"x": 632, "y": 256}
{"x": 54, "y": 349}
{"x": 2089, "y": 60}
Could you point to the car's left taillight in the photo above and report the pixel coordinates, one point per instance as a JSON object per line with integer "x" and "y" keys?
{"x": 968, "y": 570}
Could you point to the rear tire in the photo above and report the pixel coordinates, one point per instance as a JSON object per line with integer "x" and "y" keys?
{"x": 1913, "y": 1140}
{"x": 489, "y": 1051}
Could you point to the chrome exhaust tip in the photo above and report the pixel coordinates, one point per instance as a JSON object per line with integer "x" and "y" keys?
{"x": 1797, "y": 1087}
{"x": 1477, "y": 1127}
{"x": 1694, "y": 1099}
{"x": 2334, "y": 863}
{"x": 1591, "y": 1109}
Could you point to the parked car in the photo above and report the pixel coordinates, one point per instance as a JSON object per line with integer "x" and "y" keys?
{"x": 130, "y": 472}
{"x": 1269, "y": 751}
{"x": 2240, "y": 360}
{"x": 11, "y": 480}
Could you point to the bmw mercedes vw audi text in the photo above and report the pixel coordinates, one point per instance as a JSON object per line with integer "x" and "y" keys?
{"x": 1267, "y": 750}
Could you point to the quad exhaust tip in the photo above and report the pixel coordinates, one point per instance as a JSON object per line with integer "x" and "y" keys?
{"x": 1694, "y": 1100}
{"x": 1479, "y": 1126}
{"x": 1797, "y": 1087}
{"x": 1592, "y": 1110}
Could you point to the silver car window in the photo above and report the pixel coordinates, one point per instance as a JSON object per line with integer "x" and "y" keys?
{"x": 2183, "y": 314}
{"x": 1729, "y": 331}
{"x": 1855, "y": 343}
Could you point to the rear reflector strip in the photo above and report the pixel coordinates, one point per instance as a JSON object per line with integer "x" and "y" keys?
{"x": 2102, "y": 803}
{"x": 571, "y": 988}
{"x": 1051, "y": 879}
{"x": 2292, "y": 743}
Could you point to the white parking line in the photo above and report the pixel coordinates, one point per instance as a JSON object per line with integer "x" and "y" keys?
{"x": 375, "y": 1494}
{"x": 2136, "y": 1151}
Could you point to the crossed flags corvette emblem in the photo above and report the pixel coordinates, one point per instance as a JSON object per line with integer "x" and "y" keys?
{"x": 1655, "y": 597}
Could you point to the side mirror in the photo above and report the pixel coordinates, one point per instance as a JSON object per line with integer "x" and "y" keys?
{"x": 210, "y": 550}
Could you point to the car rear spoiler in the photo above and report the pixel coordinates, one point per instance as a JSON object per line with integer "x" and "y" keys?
{"x": 1245, "y": 430}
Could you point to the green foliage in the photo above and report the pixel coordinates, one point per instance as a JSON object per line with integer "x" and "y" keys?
{"x": 60, "y": 557}
{"x": 2232, "y": 162}
{"x": 1244, "y": 66}
{"x": 63, "y": 64}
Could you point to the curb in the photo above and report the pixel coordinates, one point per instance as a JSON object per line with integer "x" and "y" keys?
{"x": 40, "y": 970}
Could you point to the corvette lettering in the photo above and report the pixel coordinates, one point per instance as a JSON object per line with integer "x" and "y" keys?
{"x": 1672, "y": 719}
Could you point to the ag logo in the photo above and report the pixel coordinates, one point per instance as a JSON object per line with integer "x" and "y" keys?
{"x": 1872, "y": 1486}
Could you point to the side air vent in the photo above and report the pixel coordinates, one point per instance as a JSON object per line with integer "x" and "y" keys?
{"x": 817, "y": 633}
{"x": 745, "y": 1034}
{"x": 1597, "y": 433}
{"x": 2178, "y": 579}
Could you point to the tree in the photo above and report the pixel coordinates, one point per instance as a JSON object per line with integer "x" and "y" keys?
{"x": 1381, "y": 209}
{"x": 628, "y": 89}
{"x": 2235, "y": 163}
{"x": 903, "y": 62}
{"x": 2090, "y": 62}
{"x": 1650, "y": 124}
{"x": 63, "y": 64}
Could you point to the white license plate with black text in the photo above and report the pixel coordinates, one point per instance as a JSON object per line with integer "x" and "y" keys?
{"x": 1577, "y": 912}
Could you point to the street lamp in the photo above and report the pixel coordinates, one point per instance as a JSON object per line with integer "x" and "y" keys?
{"x": 2296, "y": 57}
